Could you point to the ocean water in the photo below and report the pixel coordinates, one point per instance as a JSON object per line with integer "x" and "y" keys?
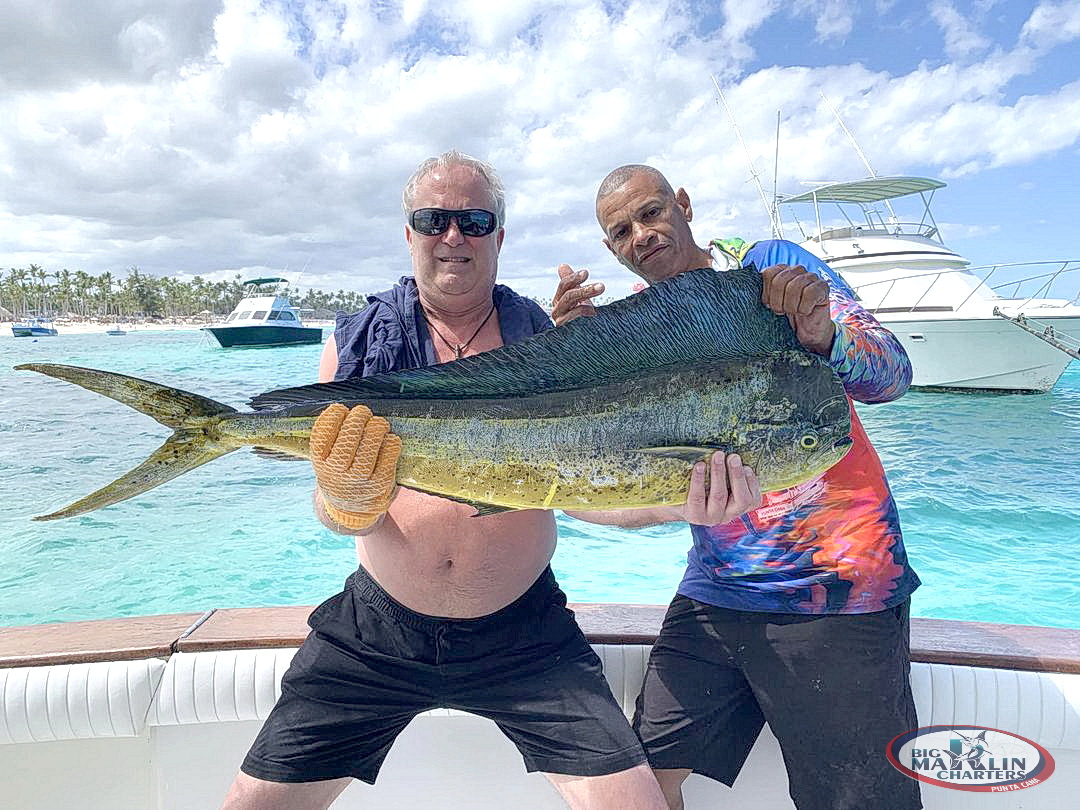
{"x": 987, "y": 487}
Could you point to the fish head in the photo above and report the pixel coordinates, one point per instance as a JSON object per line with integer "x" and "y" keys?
{"x": 804, "y": 424}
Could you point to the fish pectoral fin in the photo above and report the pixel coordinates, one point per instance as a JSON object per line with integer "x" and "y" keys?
{"x": 482, "y": 509}
{"x": 687, "y": 453}
{"x": 485, "y": 509}
{"x": 177, "y": 456}
{"x": 277, "y": 455}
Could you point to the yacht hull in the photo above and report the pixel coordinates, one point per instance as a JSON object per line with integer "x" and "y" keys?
{"x": 981, "y": 354}
{"x": 32, "y": 331}
{"x": 230, "y": 336}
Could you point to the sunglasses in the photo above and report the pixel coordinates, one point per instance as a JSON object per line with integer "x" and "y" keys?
{"x": 471, "y": 221}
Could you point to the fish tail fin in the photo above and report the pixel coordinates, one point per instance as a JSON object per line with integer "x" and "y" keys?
{"x": 170, "y": 406}
{"x": 180, "y": 453}
{"x": 187, "y": 414}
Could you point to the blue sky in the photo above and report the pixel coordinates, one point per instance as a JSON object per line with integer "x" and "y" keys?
{"x": 245, "y": 136}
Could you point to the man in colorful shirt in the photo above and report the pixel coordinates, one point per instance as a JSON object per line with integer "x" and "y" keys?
{"x": 795, "y": 614}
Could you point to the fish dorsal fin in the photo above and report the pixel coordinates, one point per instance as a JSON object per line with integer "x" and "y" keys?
{"x": 686, "y": 453}
{"x": 700, "y": 315}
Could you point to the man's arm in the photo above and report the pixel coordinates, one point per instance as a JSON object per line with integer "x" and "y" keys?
{"x": 867, "y": 357}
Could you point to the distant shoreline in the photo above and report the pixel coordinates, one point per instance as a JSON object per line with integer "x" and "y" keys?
{"x": 91, "y": 327}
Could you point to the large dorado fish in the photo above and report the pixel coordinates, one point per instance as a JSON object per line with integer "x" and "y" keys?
{"x": 607, "y": 412}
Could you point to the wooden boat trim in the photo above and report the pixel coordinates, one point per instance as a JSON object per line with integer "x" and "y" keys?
{"x": 945, "y": 641}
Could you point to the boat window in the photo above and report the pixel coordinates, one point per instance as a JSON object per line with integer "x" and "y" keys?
{"x": 286, "y": 316}
{"x": 232, "y": 316}
{"x": 274, "y": 315}
{"x": 260, "y": 315}
{"x": 243, "y": 316}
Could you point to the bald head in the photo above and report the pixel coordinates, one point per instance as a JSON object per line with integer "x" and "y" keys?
{"x": 646, "y": 224}
{"x": 617, "y": 178}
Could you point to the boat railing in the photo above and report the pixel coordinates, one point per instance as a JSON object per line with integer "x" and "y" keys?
{"x": 1042, "y": 283}
{"x": 1048, "y": 279}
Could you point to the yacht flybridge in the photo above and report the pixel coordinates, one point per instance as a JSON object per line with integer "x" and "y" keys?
{"x": 963, "y": 327}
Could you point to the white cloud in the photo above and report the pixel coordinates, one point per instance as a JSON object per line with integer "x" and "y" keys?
{"x": 833, "y": 19}
{"x": 1052, "y": 24}
{"x": 741, "y": 19}
{"x": 961, "y": 37}
{"x": 214, "y": 137}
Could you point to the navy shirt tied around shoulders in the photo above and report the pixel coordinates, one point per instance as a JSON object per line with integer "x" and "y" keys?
{"x": 390, "y": 333}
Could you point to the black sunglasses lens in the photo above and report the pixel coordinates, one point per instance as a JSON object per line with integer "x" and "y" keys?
{"x": 434, "y": 221}
{"x": 476, "y": 222}
{"x": 429, "y": 221}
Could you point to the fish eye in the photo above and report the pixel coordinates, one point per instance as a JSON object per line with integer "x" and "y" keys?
{"x": 808, "y": 442}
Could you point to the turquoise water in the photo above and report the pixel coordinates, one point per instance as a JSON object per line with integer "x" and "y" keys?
{"x": 987, "y": 486}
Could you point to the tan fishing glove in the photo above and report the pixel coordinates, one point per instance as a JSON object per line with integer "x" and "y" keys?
{"x": 355, "y": 458}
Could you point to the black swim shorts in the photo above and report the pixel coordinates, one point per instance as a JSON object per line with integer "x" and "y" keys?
{"x": 370, "y": 665}
{"x": 834, "y": 689}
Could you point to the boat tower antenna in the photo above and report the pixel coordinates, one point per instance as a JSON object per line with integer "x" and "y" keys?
{"x": 776, "y": 171}
{"x": 774, "y": 218}
{"x": 855, "y": 143}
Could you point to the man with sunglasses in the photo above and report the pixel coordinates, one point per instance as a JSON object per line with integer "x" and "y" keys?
{"x": 795, "y": 613}
{"x": 447, "y": 609}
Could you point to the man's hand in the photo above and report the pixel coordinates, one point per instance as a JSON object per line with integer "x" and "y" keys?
{"x": 732, "y": 491}
{"x": 355, "y": 458}
{"x": 804, "y": 298}
{"x": 571, "y": 299}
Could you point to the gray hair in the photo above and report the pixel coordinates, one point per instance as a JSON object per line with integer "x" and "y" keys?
{"x": 455, "y": 158}
{"x": 617, "y": 178}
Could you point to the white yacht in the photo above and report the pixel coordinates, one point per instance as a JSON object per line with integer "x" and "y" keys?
{"x": 264, "y": 319}
{"x": 964, "y": 327}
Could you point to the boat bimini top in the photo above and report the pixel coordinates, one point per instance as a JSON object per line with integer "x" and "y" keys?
{"x": 865, "y": 194}
{"x": 868, "y": 190}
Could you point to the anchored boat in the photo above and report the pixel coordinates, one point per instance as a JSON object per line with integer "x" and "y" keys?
{"x": 34, "y": 327}
{"x": 963, "y": 327}
{"x": 264, "y": 318}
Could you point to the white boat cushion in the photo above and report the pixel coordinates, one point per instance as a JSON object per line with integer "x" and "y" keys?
{"x": 74, "y": 701}
{"x": 120, "y": 698}
{"x": 244, "y": 684}
{"x": 210, "y": 687}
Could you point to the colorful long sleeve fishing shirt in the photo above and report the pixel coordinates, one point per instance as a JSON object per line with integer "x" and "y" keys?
{"x": 831, "y": 545}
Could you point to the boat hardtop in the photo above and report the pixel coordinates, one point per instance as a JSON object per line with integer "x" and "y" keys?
{"x": 867, "y": 190}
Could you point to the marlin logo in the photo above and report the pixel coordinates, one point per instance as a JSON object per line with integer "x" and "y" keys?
{"x": 959, "y": 757}
{"x": 967, "y": 749}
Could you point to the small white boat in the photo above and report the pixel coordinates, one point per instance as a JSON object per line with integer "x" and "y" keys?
{"x": 116, "y": 330}
{"x": 963, "y": 327}
{"x": 264, "y": 319}
{"x": 34, "y": 327}
{"x": 157, "y": 712}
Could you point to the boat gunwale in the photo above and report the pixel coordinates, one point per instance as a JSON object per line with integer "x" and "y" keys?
{"x": 939, "y": 641}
